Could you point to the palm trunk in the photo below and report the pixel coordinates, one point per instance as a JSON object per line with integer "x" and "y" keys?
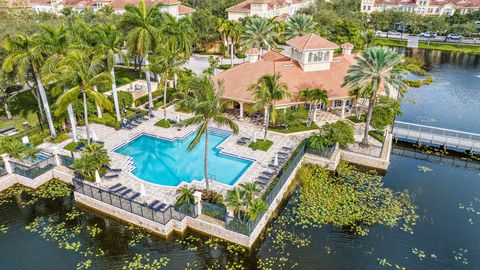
{"x": 149, "y": 83}
{"x": 115, "y": 95}
{"x": 73, "y": 125}
{"x": 39, "y": 103}
{"x": 46, "y": 106}
{"x": 315, "y": 113}
{"x": 99, "y": 109}
{"x": 231, "y": 54}
{"x": 205, "y": 161}
{"x": 371, "y": 104}
{"x": 7, "y": 110}
{"x": 175, "y": 81}
{"x": 266, "y": 123}
{"x": 85, "y": 112}
{"x": 165, "y": 97}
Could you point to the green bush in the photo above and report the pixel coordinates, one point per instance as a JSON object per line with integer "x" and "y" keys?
{"x": 38, "y": 138}
{"x": 413, "y": 83}
{"x": 241, "y": 55}
{"x": 60, "y": 138}
{"x": 125, "y": 99}
{"x": 212, "y": 196}
{"x": 163, "y": 123}
{"x": 356, "y": 120}
{"x": 260, "y": 144}
{"x": 377, "y": 135}
{"x": 427, "y": 80}
{"x": 73, "y": 145}
{"x": 158, "y": 104}
{"x": 225, "y": 66}
{"x": 108, "y": 119}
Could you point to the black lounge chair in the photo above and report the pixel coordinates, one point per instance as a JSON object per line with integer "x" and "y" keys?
{"x": 134, "y": 196}
{"x": 160, "y": 207}
{"x": 153, "y": 204}
{"x": 268, "y": 174}
{"x": 240, "y": 142}
{"x": 126, "y": 192}
{"x": 283, "y": 153}
{"x": 110, "y": 169}
{"x": 263, "y": 178}
{"x": 260, "y": 183}
{"x": 110, "y": 175}
{"x": 120, "y": 189}
{"x": 263, "y": 181}
{"x": 112, "y": 188}
{"x": 274, "y": 166}
{"x": 287, "y": 148}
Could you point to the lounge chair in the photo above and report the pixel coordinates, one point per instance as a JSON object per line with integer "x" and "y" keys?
{"x": 263, "y": 178}
{"x": 134, "y": 196}
{"x": 140, "y": 116}
{"x": 135, "y": 120}
{"x": 126, "y": 192}
{"x": 285, "y": 148}
{"x": 260, "y": 183}
{"x": 160, "y": 207}
{"x": 122, "y": 188}
{"x": 112, "y": 188}
{"x": 125, "y": 126}
{"x": 110, "y": 175}
{"x": 153, "y": 204}
{"x": 110, "y": 169}
{"x": 240, "y": 142}
{"x": 283, "y": 153}
{"x": 268, "y": 174}
{"x": 264, "y": 181}
{"x": 274, "y": 167}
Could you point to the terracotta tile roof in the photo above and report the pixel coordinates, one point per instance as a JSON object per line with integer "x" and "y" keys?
{"x": 168, "y": 2}
{"x": 311, "y": 41}
{"x": 271, "y": 4}
{"x": 439, "y": 3}
{"x": 274, "y": 56}
{"x": 236, "y": 80}
{"x": 185, "y": 10}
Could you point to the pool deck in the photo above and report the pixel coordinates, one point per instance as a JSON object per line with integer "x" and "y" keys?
{"x": 167, "y": 194}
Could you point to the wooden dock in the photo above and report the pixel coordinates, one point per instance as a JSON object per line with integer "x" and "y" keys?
{"x": 438, "y": 137}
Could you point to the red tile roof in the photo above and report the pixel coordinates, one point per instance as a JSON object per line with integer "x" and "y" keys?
{"x": 185, "y": 10}
{"x": 311, "y": 41}
{"x": 237, "y": 80}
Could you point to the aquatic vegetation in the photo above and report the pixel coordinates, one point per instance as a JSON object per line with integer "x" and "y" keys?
{"x": 84, "y": 265}
{"x": 3, "y": 229}
{"x": 461, "y": 255}
{"x": 385, "y": 262}
{"x": 473, "y": 208}
{"x": 420, "y": 253}
{"x": 345, "y": 200}
{"x": 52, "y": 189}
{"x": 135, "y": 234}
{"x": 143, "y": 261}
{"x": 424, "y": 168}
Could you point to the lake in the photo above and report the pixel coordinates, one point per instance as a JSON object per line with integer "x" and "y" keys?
{"x": 447, "y": 234}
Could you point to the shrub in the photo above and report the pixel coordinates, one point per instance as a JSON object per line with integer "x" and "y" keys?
{"x": 384, "y": 113}
{"x": 60, "y": 138}
{"x": 356, "y": 120}
{"x": 125, "y": 99}
{"x": 241, "y": 55}
{"x": 164, "y": 123}
{"x": 108, "y": 119}
{"x": 158, "y": 104}
{"x": 427, "y": 80}
{"x": 413, "y": 83}
{"x": 212, "y": 196}
{"x": 377, "y": 135}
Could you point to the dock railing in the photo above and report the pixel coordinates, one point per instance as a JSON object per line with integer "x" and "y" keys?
{"x": 34, "y": 170}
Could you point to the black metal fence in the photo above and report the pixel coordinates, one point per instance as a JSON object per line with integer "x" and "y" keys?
{"x": 326, "y": 152}
{"x": 66, "y": 161}
{"x": 34, "y": 170}
{"x": 216, "y": 211}
{"x": 140, "y": 209}
{"x": 3, "y": 171}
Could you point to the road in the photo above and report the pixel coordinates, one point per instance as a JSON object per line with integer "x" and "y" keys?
{"x": 437, "y": 39}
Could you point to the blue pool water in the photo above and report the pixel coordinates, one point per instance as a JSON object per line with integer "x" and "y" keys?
{"x": 169, "y": 162}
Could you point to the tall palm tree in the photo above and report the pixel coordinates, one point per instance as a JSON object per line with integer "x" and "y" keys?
{"x": 167, "y": 61}
{"x": 143, "y": 35}
{"x": 299, "y": 25}
{"x": 315, "y": 96}
{"x": 28, "y": 54}
{"x": 206, "y": 107}
{"x": 82, "y": 71}
{"x": 233, "y": 31}
{"x": 267, "y": 91}
{"x": 59, "y": 39}
{"x": 259, "y": 33}
{"x": 178, "y": 33}
{"x": 235, "y": 201}
{"x": 375, "y": 70}
{"x": 256, "y": 208}
{"x": 7, "y": 90}
{"x": 111, "y": 46}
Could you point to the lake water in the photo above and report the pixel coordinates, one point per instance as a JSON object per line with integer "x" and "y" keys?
{"x": 447, "y": 233}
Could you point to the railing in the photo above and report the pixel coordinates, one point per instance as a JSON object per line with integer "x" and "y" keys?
{"x": 436, "y": 131}
{"x": 66, "y": 161}
{"x": 213, "y": 210}
{"x": 3, "y": 171}
{"x": 326, "y": 152}
{"x": 34, "y": 170}
{"x": 371, "y": 150}
{"x": 140, "y": 209}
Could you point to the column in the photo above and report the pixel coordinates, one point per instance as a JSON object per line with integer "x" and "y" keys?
{"x": 56, "y": 158}
{"x": 241, "y": 110}
{"x": 198, "y": 201}
{"x": 6, "y": 161}
{"x": 343, "y": 108}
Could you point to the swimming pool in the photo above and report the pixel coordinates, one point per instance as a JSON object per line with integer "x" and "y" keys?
{"x": 169, "y": 163}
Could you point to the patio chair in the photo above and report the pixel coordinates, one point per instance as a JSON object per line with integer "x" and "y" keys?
{"x": 126, "y": 121}
{"x": 240, "y": 142}
{"x": 135, "y": 120}
{"x": 274, "y": 167}
{"x": 110, "y": 175}
{"x": 125, "y": 126}
{"x": 110, "y": 169}
{"x": 144, "y": 118}
{"x": 285, "y": 148}
{"x": 268, "y": 174}
{"x": 263, "y": 184}
{"x": 122, "y": 188}
{"x": 153, "y": 204}
{"x": 134, "y": 196}
{"x": 263, "y": 178}
{"x": 112, "y": 188}
{"x": 126, "y": 192}
{"x": 283, "y": 153}
{"x": 160, "y": 207}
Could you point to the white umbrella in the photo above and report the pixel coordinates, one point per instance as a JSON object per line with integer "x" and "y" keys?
{"x": 178, "y": 118}
{"x": 94, "y": 135}
{"x": 143, "y": 193}
{"x": 255, "y": 136}
{"x": 275, "y": 159}
{"x": 98, "y": 180}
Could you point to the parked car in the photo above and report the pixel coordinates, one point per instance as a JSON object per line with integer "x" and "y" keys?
{"x": 394, "y": 33}
{"x": 428, "y": 35}
{"x": 454, "y": 36}
{"x": 380, "y": 33}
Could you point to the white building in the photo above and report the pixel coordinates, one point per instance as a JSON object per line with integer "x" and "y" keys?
{"x": 267, "y": 8}
{"x": 423, "y": 7}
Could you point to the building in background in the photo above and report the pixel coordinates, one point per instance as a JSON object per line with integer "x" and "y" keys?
{"x": 267, "y": 8}
{"x": 422, "y": 7}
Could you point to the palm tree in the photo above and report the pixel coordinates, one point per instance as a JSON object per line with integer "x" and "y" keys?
{"x": 167, "y": 61}
{"x": 233, "y": 31}
{"x": 185, "y": 195}
{"x": 58, "y": 38}
{"x": 375, "y": 70}
{"x": 267, "y": 91}
{"x": 299, "y": 25}
{"x": 8, "y": 89}
{"x": 82, "y": 71}
{"x": 31, "y": 153}
{"x": 111, "y": 46}
{"x": 256, "y": 208}
{"x": 316, "y": 96}
{"x": 94, "y": 156}
{"x": 27, "y": 54}
{"x": 206, "y": 107}
{"x": 143, "y": 35}
{"x": 12, "y": 147}
{"x": 235, "y": 201}
{"x": 178, "y": 33}
{"x": 258, "y": 33}
{"x": 251, "y": 191}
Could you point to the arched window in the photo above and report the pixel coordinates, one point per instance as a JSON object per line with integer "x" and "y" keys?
{"x": 310, "y": 57}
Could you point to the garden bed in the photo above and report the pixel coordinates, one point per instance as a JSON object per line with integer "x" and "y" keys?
{"x": 293, "y": 129}
{"x": 260, "y": 144}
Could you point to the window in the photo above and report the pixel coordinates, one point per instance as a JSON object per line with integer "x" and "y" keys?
{"x": 337, "y": 103}
{"x": 369, "y": 7}
{"x": 325, "y": 57}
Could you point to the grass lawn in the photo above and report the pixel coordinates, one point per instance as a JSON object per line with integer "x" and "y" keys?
{"x": 23, "y": 108}
{"x": 377, "y": 135}
{"x": 262, "y": 145}
{"x": 440, "y": 46}
{"x": 73, "y": 145}
{"x": 355, "y": 120}
{"x": 163, "y": 123}
{"x": 292, "y": 129}
{"x": 126, "y": 75}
